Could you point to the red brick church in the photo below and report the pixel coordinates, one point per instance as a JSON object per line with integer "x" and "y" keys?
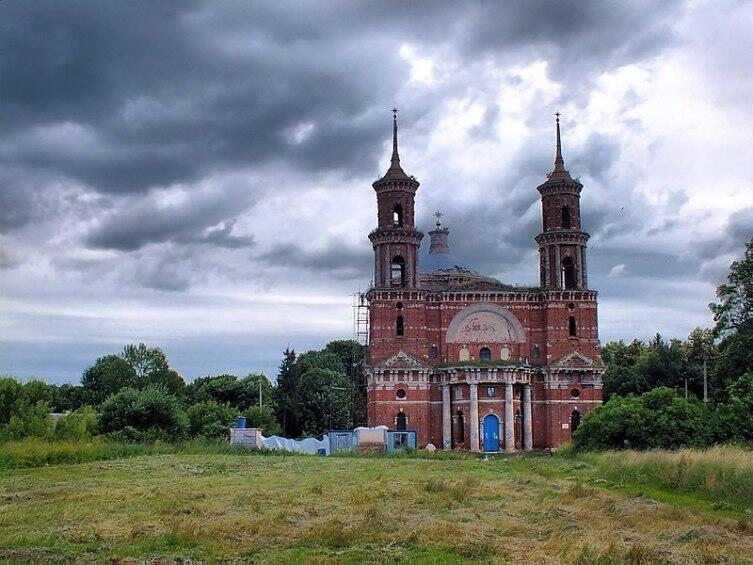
{"x": 468, "y": 361}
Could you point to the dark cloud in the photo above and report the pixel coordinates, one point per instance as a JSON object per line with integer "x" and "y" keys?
{"x": 335, "y": 260}
{"x": 737, "y": 231}
{"x": 199, "y": 218}
{"x": 162, "y": 94}
{"x": 153, "y": 147}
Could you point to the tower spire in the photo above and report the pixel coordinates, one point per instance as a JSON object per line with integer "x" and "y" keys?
{"x": 395, "y": 154}
{"x": 559, "y": 162}
{"x": 395, "y": 170}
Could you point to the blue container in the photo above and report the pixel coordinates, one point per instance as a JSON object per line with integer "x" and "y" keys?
{"x": 240, "y": 422}
{"x": 321, "y": 452}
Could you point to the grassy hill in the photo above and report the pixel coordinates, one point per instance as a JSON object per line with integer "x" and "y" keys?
{"x": 290, "y": 507}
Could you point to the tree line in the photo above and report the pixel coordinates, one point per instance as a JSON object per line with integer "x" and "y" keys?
{"x": 136, "y": 396}
{"x": 655, "y": 391}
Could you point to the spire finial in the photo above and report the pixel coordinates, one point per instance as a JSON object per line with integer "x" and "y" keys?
{"x": 395, "y": 155}
{"x": 438, "y": 215}
{"x": 559, "y": 163}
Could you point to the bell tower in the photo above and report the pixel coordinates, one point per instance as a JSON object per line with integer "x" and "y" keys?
{"x": 562, "y": 243}
{"x": 395, "y": 240}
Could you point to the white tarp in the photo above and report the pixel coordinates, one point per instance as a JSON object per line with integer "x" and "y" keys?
{"x": 371, "y": 436}
{"x": 308, "y": 445}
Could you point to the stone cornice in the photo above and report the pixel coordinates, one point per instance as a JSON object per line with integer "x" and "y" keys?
{"x": 396, "y": 235}
{"x": 575, "y": 237}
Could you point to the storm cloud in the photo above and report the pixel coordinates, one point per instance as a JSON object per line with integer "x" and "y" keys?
{"x": 167, "y": 167}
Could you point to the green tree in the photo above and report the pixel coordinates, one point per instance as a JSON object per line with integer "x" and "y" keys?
{"x": 152, "y": 368}
{"x": 735, "y": 307}
{"x": 39, "y": 391}
{"x": 325, "y": 401}
{"x": 223, "y": 389}
{"x": 734, "y": 418}
{"x": 264, "y": 419}
{"x": 319, "y": 359}
{"x": 288, "y": 400}
{"x": 107, "y": 376}
{"x": 69, "y": 397}
{"x": 10, "y": 392}
{"x": 146, "y": 414}
{"x": 229, "y": 389}
{"x": 352, "y": 355}
{"x": 210, "y": 419}
{"x": 699, "y": 347}
{"x": 734, "y": 323}
{"x": 249, "y": 387}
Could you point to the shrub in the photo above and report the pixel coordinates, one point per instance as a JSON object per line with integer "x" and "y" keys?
{"x": 28, "y": 420}
{"x": 210, "y": 419}
{"x": 148, "y": 414}
{"x": 658, "y": 418}
{"x": 79, "y": 425}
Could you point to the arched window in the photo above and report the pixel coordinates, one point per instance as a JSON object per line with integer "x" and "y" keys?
{"x": 397, "y": 215}
{"x": 398, "y": 271}
{"x": 485, "y": 354}
{"x": 566, "y": 219}
{"x": 399, "y": 326}
{"x": 433, "y": 352}
{"x": 401, "y": 421}
{"x": 573, "y": 327}
{"x": 574, "y": 421}
{"x": 568, "y": 273}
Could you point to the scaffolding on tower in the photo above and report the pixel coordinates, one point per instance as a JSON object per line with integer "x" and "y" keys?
{"x": 360, "y": 318}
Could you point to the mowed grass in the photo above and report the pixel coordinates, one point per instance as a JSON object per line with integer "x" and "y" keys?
{"x": 299, "y": 508}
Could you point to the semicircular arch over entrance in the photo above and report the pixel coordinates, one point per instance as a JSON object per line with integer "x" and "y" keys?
{"x": 485, "y": 323}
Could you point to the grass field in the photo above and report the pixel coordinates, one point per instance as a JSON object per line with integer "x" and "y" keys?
{"x": 299, "y": 508}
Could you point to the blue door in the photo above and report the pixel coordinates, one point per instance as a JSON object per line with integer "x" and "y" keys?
{"x": 491, "y": 433}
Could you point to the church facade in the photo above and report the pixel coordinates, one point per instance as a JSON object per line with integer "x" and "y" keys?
{"x": 467, "y": 361}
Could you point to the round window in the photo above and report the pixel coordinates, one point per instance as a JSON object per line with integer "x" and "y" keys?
{"x": 571, "y": 306}
{"x": 400, "y": 393}
{"x": 399, "y": 305}
{"x": 575, "y": 393}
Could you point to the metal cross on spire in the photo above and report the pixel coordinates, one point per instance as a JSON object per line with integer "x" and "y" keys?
{"x": 438, "y": 215}
{"x": 394, "y": 112}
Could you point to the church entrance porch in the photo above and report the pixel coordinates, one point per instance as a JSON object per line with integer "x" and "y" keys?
{"x": 513, "y": 429}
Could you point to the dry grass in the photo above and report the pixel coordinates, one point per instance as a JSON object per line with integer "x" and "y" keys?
{"x": 323, "y": 509}
{"x": 722, "y": 472}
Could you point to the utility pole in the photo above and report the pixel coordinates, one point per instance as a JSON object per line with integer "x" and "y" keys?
{"x": 261, "y": 405}
{"x": 705, "y": 380}
{"x": 686, "y": 387}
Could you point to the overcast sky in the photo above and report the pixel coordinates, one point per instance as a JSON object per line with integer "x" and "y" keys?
{"x": 197, "y": 175}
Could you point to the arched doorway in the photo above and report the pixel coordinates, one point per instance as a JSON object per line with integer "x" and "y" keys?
{"x": 401, "y": 421}
{"x": 574, "y": 421}
{"x": 491, "y": 433}
{"x": 458, "y": 434}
